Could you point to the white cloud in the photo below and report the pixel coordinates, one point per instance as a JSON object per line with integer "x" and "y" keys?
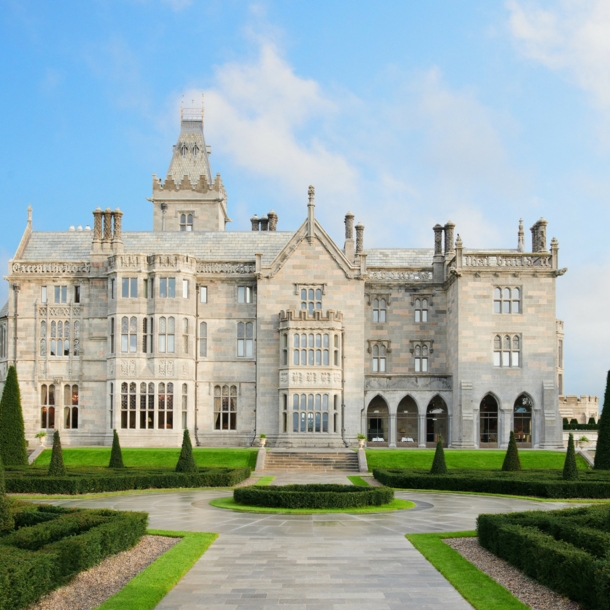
{"x": 573, "y": 37}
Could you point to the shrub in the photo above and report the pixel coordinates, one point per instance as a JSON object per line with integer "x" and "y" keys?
{"x": 591, "y": 421}
{"x": 12, "y": 435}
{"x": 6, "y": 518}
{"x": 438, "y": 464}
{"x": 602, "y": 453}
{"x": 56, "y": 467}
{"x": 511, "y": 460}
{"x": 565, "y": 422}
{"x": 186, "y": 461}
{"x": 313, "y": 496}
{"x": 581, "y": 426}
{"x": 570, "y": 470}
{"x": 573, "y": 422}
{"x": 116, "y": 456}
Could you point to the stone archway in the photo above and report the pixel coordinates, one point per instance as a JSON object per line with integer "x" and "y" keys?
{"x": 437, "y": 422}
{"x": 377, "y": 422}
{"x": 522, "y": 420}
{"x": 488, "y": 422}
{"x": 407, "y": 423}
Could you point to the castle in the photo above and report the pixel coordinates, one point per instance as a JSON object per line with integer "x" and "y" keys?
{"x": 233, "y": 334}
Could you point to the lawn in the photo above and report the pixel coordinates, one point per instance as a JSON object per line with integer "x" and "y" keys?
{"x": 479, "y": 459}
{"x": 151, "y": 458}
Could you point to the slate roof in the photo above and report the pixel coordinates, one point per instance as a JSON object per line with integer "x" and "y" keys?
{"x": 399, "y": 257}
{"x": 4, "y": 311}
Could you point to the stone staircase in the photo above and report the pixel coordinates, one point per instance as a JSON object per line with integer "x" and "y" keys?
{"x": 285, "y": 460}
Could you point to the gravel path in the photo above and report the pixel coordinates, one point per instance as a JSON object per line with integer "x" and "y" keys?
{"x": 91, "y": 588}
{"x": 535, "y": 595}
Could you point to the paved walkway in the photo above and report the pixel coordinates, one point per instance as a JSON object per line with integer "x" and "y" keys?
{"x": 312, "y": 562}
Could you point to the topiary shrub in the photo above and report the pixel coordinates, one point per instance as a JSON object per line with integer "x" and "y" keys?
{"x": 438, "y": 464}
{"x": 565, "y": 422}
{"x": 116, "y": 455}
{"x": 602, "y": 453}
{"x": 57, "y": 467}
{"x": 186, "y": 461}
{"x": 6, "y": 518}
{"x": 570, "y": 470}
{"x": 12, "y": 434}
{"x": 591, "y": 421}
{"x": 573, "y": 422}
{"x": 511, "y": 459}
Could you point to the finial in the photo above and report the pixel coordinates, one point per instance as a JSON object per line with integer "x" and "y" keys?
{"x": 30, "y": 214}
{"x": 521, "y": 237}
{"x": 311, "y": 192}
{"x": 458, "y": 241}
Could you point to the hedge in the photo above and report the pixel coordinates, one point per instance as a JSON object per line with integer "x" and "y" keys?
{"x": 28, "y": 482}
{"x": 35, "y": 560}
{"x": 313, "y": 496}
{"x": 518, "y": 485}
{"x": 581, "y": 426}
{"x": 556, "y": 549}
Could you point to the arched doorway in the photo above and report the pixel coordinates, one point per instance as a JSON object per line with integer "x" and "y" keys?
{"x": 407, "y": 423}
{"x": 377, "y": 416}
{"x": 488, "y": 422}
{"x": 437, "y": 422}
{"x": 522, "y": 420}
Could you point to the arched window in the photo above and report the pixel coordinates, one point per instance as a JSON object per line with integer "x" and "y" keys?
{"x": 311, "y": 299}
{"x": 167, "y": 330}
{"x": 225, "y": 407}
{"x": 336, "y": 352}
{"x": 379, "y": 358}
{"x": 507, "y": 350}
{"x": 421, "y": 358}
{"x": 111, "y": 403}
{"x": 129, "y": 334}
{"x": 203, "y": 339}
{"x": 326, "y": 352}
{"x": 522, "y": 420}
{"x": 195, "y": 151}
{"x": 310, "y": 413}
{"x": 507, "y": 300}
{"x": 183, "y": 150}
{"x": 437, "y": 422}
{"x": 488, "y": 413}
{"x": 147, "y": 406}
{"x": 165, "y": 415}
{"x": 186, "y": 222}
{"x": 245, "y": 340}
{"x": 71, "y": 407}
{"x": 407, "y": 423}
{"x": 284, "y": 349}
{"x": 47, "y": 409}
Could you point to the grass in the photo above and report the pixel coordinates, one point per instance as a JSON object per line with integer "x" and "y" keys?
{"x": 479, "y": 459}
{"x": 481, "y": 591}
{"x": 87, "y": 457}
{"x": 230, "y": 504}
{"x": 358, "y": 481}
{"x": 149, "y": 587}
{"x": 264, "y": 481}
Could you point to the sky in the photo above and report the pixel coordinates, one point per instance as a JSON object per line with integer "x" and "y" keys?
{"x": 406, "y": 113}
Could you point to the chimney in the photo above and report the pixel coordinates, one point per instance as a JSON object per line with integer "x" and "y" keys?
{"x": 107, "y": 235}
{"x": 348, "y": 248}
{"x": 264, "y": 223}
{"x": 272, "y": 221}
{"x": 97, "y": 229}
{"x": 438, "y": 240}
{"x": 449, "y": 232}
{"x": 254, "y": 220}
{"x": 539, "y": 236}
{"x": 117, "y": 238}
{"x": 359, "y": 238}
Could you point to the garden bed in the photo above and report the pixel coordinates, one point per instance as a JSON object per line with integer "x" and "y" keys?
{"x": 313, "y": 496}
{"x": 541, "y": 483}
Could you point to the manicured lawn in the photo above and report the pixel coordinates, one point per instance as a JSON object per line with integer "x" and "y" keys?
{"x": 149, "y": 587}
{"x": 481, "y": 591}
{"x": 459, "y": 458}
{"x": 232, "y": 505}
{"x": 152, "y": 458}
{"x": 358, "y": 481}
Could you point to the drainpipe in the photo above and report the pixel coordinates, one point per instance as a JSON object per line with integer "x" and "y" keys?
{"x": 343, "y": 389}
{"x": 197, "y": 443}
{"x": 256, "y": 376}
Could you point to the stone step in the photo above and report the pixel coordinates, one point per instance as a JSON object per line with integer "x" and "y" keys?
{"x": 300, "y": 461}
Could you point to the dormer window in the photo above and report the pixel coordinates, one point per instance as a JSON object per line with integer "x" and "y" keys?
{"x": 186, "y": 222}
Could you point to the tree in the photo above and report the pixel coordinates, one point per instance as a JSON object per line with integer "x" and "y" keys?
{"x": 438, "y": 464}
{"x": 6, "y": 518}
{"x": 602, "y": 453}
{"x": 116, "y": 455}
{"x": 56, "y": 467}
{"x": 186, "y": 461}
{"x": 570, "y": 469}
{"x": 12, "y": 432}
{"x": 511, "y": 459}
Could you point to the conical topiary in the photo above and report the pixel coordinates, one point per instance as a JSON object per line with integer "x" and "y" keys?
{"x": 438, "y": 464}
{"x": 56, "y": 467}
{"x": 6, "y": 518}
{"x": 566, "y": 423}
{"x": 116, "y": 455}
{"x": 570, "y": 469}
{"x": 602, "y": 453}
{"x": 12, "y": 435}
{"x": 186, "y": 461}
{"x": 591, "y": 421}
{"x": 511, "y": 459}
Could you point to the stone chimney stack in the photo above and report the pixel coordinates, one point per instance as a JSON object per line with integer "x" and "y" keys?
{"x": 117, "y": 237}
{"x": 107, "y": 233}
{"x": 359, "y": 238}
{"x": 272, "y": 221}
{"x": 348, "y": 248}
{"x": 97, "y": 229}
{"x": 264, "y": 223}
{"x": 255, "y": 222}
{"x": 449, "y": 239}
{"x": 521, "y": 237}
{"x": 438, "y": 239}
{"x": 539, "y": 236}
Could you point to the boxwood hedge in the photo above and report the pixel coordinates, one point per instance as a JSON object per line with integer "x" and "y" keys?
{"x": 35, "y": 559}
{"x": 313, "y": 496}
{"x": 24, "y": 481}
{"x": 541, "y": 484}
{"x": 568, "y": 551}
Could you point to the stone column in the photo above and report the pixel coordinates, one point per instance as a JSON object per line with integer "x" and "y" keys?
{"x": 272, "y": 221}
{"x": 392, "y": 430}
{"x": 449, "y": 239}
{"x": 255, "y": 222}
{"x": 359, "y": 238}
{"x": 421, "y": 430}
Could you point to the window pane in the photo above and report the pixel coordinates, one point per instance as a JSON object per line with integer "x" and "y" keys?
{"x": 295, "y": 358}
{"x": 203, "y": 294}
{"x": 382, "y": 365}
{"x": 134, "y": 287}
{"x": 375, "y": 365}
{"x": 417, "y": 365}
{"x": 171, "y": 287}
{"x": 424, "y": 315}
{"x": 318, "y": 357}
{"x": 424, "y": 365}
{"x": 497, "y": 306}
{"x": 249, "y": 348}
{"x": 496, "y": 358}
{"x": 516, "y": 306}
{"x": 515, "y": 359}
{"x": 318, "y": 294}
{"x": 497, "y": 293}
{"x": 375, "y": 315}
{"x": 185, "y": 289}
{"x": 516, "y": 293}
{"x": 507, "y": 293}
{"x": 505, "y": 306}
{"x": 163, "y": 287}
{"x": 417, "y": 315}
{"x": 382, "y": 315}
{"x": 505, "y": 358}
{"x": 240, "y": 348}
{"x": 132, "y": 343}
{"x": 310, "y": 294}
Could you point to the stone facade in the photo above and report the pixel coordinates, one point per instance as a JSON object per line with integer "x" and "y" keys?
{"x": 233, "y": 334}
{"x": 580, "y": 408}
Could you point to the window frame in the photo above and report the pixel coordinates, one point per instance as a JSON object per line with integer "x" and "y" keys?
{"x": 505, "y": 354}
{"x": 506, "y": 306}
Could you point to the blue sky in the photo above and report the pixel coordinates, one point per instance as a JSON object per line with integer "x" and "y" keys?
{"x": 407, "y": 113}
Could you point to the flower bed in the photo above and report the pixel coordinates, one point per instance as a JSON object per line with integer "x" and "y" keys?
{"x": 566, "y": 550}
{"x": 542, "y": 484}
{"x": 313, "y": 496}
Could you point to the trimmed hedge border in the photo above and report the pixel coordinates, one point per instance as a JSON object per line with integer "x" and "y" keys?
{"x": 566, "y": 550}
{"x": 36, "y": 559}
{"x": 514, "y": 485}
{"x": 19, "y": 482}
{"x": 581, "y": 426}
{"x": 313, "y": 496}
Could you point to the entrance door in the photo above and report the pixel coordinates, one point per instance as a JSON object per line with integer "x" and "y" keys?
{"x": 488, "y": 422}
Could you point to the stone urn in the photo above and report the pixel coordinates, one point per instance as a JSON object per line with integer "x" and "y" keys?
{"x": 361, "y": 443}
{"x": 263, "y": 442}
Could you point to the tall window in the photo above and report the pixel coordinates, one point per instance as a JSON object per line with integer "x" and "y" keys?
{"x": 112, "y": 335}
{"x": 43, "y": 338}
{"x": 186, "y": 222}
{"x": 421, "y": 358}
{"x": 4, "y": 340}
{"x": 245, "y": 340}
{"x": 129, "y": 287}
{"x": 284, "y": 349}
{"x": 128, "y": 405}
{"x": 146, "y": 339}
{"x": 147, "y": 406}
{"x": 244, "y": 294}
{"x": 43, "y": 294}
{"x": 310, "y": 413}
{"x": 149, "y": 288}
{"x": 379, "y": 356}
{"x": 167, "y": 288}
{"x": 225, "y": 407}
{"x": 112, "y": 288}
{"x": 203, "y": 294}
{"x": 379, "y": 310}
{"x": 111, "y": 401}
{"x": 507, "y": 350}
{"x": 77, "y": 294}
{"x": 421, "y": 310}
{"x": 336, "y": 352}
{"x": 61, "y": 294}
{"x": 311, "y": 299}
{"x": 185, "y": 289}
{"x": 76, "y": 341}
{"x": 165, "y": 415}
{"x": 70, "y": 407}
{"x": 47, "y": 409}
{"x": 185, "y": 390}
{"x": 560, "y": 353}
{"x": 185, "y": 335}
{"x": 129, "y": 334}
{"x": 167, "y": 333}
{"x": 311, "y": 349}
{"x": 60, "y": 338}
{"x": 203, "y": 339}
{"x": 507, "y": 300}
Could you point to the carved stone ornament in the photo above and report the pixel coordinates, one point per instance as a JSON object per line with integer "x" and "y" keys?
{"x": 499, "y": 260}
{"x": 386, "y": 275}
{"x": 166, "y": 368}
{"x": 284, "y": 377}
{"x": 237, "y": 268}
{"x": 52, "y": 268}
